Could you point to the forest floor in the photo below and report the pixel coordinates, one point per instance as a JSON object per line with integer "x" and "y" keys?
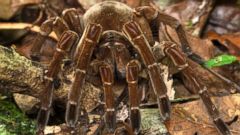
{"x": 213, "y": 31}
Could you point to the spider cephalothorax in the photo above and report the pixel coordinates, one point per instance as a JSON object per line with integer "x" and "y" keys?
{"x": 120, "y": 40}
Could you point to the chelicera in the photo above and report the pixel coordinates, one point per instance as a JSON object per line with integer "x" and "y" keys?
{"x": 120, "y": 41}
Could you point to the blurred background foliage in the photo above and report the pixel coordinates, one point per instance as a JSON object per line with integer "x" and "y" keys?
{"x": 13, "y": 120}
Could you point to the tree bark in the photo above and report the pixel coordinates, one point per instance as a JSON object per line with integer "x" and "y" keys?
{"x": 21, "y": 75}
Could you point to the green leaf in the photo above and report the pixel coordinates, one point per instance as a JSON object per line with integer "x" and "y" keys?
{"x": 220, "y": 61}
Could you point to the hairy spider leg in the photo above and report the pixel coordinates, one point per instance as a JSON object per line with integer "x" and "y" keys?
{"x": 139, "y": 42}
{"x": 45, "y": 30}
{"x": 132, "y": 71}
{"x": 74, "y": 20}
{"x": 160, "y": 17}
{"x": 89, "y": 40}
{"x": 180, "y": 61}
{"x": 67, "y": 39}
{"x": 70, "y": 20}
{"x": 53, "y": 24}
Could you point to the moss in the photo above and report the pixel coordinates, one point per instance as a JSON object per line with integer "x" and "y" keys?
{"x": 19, "y": 73}
{"x": 13, "y": 121}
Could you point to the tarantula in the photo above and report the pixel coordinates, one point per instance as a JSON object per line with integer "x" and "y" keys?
{"x": 121, "y": 40}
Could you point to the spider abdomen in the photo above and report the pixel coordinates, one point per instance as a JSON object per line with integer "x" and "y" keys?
{"x": 110, "y": 14}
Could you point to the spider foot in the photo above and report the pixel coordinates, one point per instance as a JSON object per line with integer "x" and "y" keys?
{"x": 164, "y": 106}
{"x": 72, "y": 114}
{"x": 135, "y": 118}
{"x": 222, "y": 126}
{"x": 110, "y": 121}
{"x": 42, "y": 119}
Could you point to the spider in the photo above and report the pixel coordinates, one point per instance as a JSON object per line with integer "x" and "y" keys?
{"x": 120, "y": 39}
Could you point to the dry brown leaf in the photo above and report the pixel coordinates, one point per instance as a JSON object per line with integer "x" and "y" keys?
{"x": 230, "y": 41}
{"x": 225, "y": 18}
{"x": 192, "y": 13}
{"x": 192, "y": 117}
{"x": 8, "y": 8}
